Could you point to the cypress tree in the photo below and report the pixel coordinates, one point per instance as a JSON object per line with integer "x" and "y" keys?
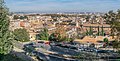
{"x": 98, "y": 31}
{"x": 102, "y": 31}
{"x": 6, "y": 36}
{"x": 91, "y": 31}
{"x": 87, "y": 32}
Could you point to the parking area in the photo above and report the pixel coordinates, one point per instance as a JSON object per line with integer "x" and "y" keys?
{"x": 71, "y": 49}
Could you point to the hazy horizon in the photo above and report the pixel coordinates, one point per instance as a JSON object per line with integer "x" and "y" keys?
{"x": 62, "y": 5}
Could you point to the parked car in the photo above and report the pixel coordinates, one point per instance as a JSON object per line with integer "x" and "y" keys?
{"x": 102, "y": 51}
{"x": 64, "y": 46}
{"x": 58, "y": 45}
{"x": 73, "y": 48}
{"x": 81, "y": 49}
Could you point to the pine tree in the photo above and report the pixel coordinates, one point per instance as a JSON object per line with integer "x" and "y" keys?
{"x": 21, "y": 35}
{"x": 6, "y": 36}
{"x": 43, "y": 34}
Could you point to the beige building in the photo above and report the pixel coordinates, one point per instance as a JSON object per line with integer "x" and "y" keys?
{"x": 98, "y": 40}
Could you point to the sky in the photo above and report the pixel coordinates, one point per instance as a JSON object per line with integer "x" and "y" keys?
{"x": 62, "y": 5}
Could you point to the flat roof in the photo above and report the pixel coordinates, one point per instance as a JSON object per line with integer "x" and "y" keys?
{"x": 96, "y": 25}
{"x": 90, "y": 39}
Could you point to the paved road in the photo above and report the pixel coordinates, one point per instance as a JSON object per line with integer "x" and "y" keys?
{"x": 48, "y": 57}
{"x": 64, "y": 50}
{"x": 60, "y": 50}
{"x": 45, "y": 55}
{"x": 22, "y": 56}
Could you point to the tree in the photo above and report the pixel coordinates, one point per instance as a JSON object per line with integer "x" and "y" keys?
{"x": 20, "y": 17}
{"x": 23, "y": 17}
{"x": 16, "y": 17}
{"x": 116, "y": 44}
{"x": 6, "y": 36}
{"x": 106, "y": 41}
{"x": 52, "y": 37}
{"x": 111, "y": 19}
{"x": 98, "y": 31}
{"x": 114, "y": 20}
{"x": 43, "y": 35}
{"x": 102, "y": 32}
{"x": 55, "y": 37}
{"x": 12, "y": 57}
{"x": 21, "y": 35}
{"x": 87, "y": 32}
{"x": 91, "y": 31}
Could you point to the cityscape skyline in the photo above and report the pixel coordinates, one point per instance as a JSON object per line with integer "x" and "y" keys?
{"x": 62, "y": 5}
{"x": 59, "y": 30}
